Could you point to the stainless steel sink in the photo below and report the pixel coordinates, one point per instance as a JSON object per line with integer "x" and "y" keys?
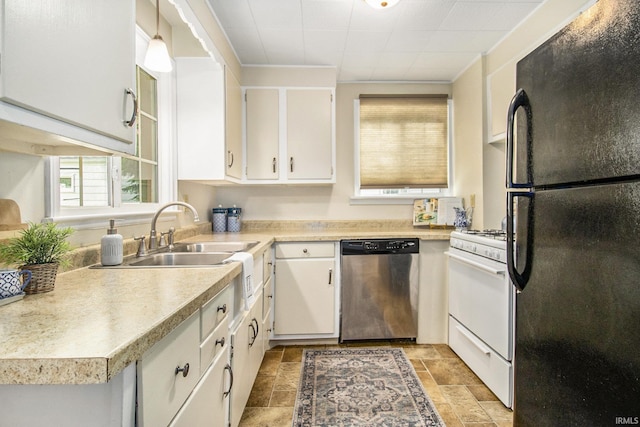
{"x": 179, "y": 259}
{"x": 214, "y": 246}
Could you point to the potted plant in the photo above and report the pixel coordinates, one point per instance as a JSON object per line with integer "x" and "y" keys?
{"x": 40, "y": 248}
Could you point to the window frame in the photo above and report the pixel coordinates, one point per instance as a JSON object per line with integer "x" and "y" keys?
{"x": 368, "y": 196}
{"x": 87, "y": 217}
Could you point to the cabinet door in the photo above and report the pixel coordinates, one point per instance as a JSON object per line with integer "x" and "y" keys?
{"x": 200, "y": 119}
{"x": 263, "y": 133}
{"x": 71, "y": 60}
{"x": 208, "y": 405}
{"x": 247, "y": 344}
{"x": 162, "y": 390}
{"x": 304, "y": 296}
{"x": 309, "y": 134}
{"x": 242, "y": 382}
{"x": 233, "y": 125}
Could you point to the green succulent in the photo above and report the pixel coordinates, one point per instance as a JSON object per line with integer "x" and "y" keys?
{"x": 38, "y": 244}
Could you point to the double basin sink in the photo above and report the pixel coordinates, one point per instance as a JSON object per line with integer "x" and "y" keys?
{"x": 189, "y": 254}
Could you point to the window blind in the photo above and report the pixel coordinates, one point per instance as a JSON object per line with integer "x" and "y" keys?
{"x": 404, "y": 142}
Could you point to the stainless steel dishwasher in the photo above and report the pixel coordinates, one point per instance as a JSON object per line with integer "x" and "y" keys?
{"x": 379, "y": 297}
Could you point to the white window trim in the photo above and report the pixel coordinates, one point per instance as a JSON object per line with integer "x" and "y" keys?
{"x": 87, "y": 217}
{"x": 394, "y": 199}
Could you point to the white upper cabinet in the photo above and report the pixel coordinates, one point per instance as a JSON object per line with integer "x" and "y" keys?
{"x": 70, "y": 61}
{"x": 233, "y": 122}
{"x": 501, "y": 86}
{"x": 262, "y": 133}
{"x": 309, "y": 134}
{"x": 200, "y": 119}
{"x": 289, "y": 135}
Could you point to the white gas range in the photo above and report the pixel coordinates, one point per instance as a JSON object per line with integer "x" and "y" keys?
{"x": 482, "y": 308}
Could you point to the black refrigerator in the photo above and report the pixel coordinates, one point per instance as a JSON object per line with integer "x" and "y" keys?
{"x": 573, "y": 180}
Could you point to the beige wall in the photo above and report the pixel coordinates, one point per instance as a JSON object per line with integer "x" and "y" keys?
{"x": 467, "y": 138}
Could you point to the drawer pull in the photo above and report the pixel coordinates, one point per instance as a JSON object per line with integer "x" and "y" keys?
{"x": 269, "y": 296}
{"x": 223, "y": 309}
{"x": 475, "y": 341}
{"x": 305, "y": 250}
{"x": 228, "y": 368}
{"x": 185, "y": 370}
{"x": 220, "y": 341}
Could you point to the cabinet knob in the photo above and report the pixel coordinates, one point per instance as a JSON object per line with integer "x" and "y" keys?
{"x": 220, "y": 341}
{"x": 305, "y": 251}
{"x": 222, "y": 308}
{"x": 269, "y": 296}
{"x": 185, "y": 370}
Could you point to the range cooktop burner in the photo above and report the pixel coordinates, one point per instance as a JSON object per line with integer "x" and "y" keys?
{"x": 490, "y": 233}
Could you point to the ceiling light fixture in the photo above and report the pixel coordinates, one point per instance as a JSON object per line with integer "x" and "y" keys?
{"x": 157, "y": 56}
{"x": 381, "y": 4}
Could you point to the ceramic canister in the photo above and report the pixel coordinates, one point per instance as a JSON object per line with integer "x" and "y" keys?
{"x": 219, "y": 222}
{"x": 233, "y": 219}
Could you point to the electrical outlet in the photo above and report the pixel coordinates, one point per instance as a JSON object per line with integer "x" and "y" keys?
{"x": 472, "y": 200}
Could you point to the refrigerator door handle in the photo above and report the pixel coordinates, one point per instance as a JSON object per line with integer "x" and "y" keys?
{"x": 519, "y": 279}
{"x": 520, "y": 99}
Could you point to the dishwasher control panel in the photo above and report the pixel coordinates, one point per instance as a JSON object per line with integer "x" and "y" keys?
{"x": 379, "y": 246}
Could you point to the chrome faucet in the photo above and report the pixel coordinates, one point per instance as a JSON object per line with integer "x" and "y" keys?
{"x": 153, "y": 238}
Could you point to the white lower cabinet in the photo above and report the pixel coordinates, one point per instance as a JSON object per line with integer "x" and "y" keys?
{"x": 305, "y": 291}
{"x": 247, "y": 351}
{"x": 208, "y": 405}
{"x": 168, "y": 372}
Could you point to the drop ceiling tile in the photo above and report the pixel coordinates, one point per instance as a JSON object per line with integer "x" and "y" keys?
{"x": 361, "y": 60}
{"x": 366, "y": 41}
{"x": 326, "y": 14}
{"x": 389, "y": 73}
{"x": 435, "y": 60}
{"x": 423, "y": 14}
{"x": 408, "y": 41}
{"x": 326, "y": 40}
{"x": 233, "y": 14}
{"x": 283, "y": 14}
{"x": 323, "y": 57}
{"x": 247, "y": 44}
{"x": 396, "y": 59}
{"x": 463, "y": 41}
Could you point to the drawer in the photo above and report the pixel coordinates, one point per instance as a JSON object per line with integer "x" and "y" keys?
{"x": 162, "y": 391}
{"x": 493, "y": 370}
{"x": 214, "y": 344}
{"x": 215, "y": 310}
{"x": 305, "y": 250}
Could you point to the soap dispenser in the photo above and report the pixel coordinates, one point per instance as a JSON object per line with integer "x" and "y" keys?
{"x": 111, "y": 246}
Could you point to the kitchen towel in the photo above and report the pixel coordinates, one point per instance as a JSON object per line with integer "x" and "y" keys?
{"x": 247, "y": 273}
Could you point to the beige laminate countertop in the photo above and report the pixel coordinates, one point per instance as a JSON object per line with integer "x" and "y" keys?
{"x": 98, "y": 321}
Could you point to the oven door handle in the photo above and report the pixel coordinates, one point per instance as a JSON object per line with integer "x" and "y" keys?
{"x": 476, "y": 264}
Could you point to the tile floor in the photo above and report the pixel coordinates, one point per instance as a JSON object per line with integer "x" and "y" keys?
{"x": 459, "y": 396}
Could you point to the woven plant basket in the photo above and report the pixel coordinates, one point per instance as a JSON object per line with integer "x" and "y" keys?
{"x": 43, "y": 277}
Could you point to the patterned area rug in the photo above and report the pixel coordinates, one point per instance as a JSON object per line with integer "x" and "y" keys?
{"x": 361, "y": 387}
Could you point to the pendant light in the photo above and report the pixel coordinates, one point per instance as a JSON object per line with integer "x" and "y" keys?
{"x": 157, "y": 56}
{"x": 381, "y": 4}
